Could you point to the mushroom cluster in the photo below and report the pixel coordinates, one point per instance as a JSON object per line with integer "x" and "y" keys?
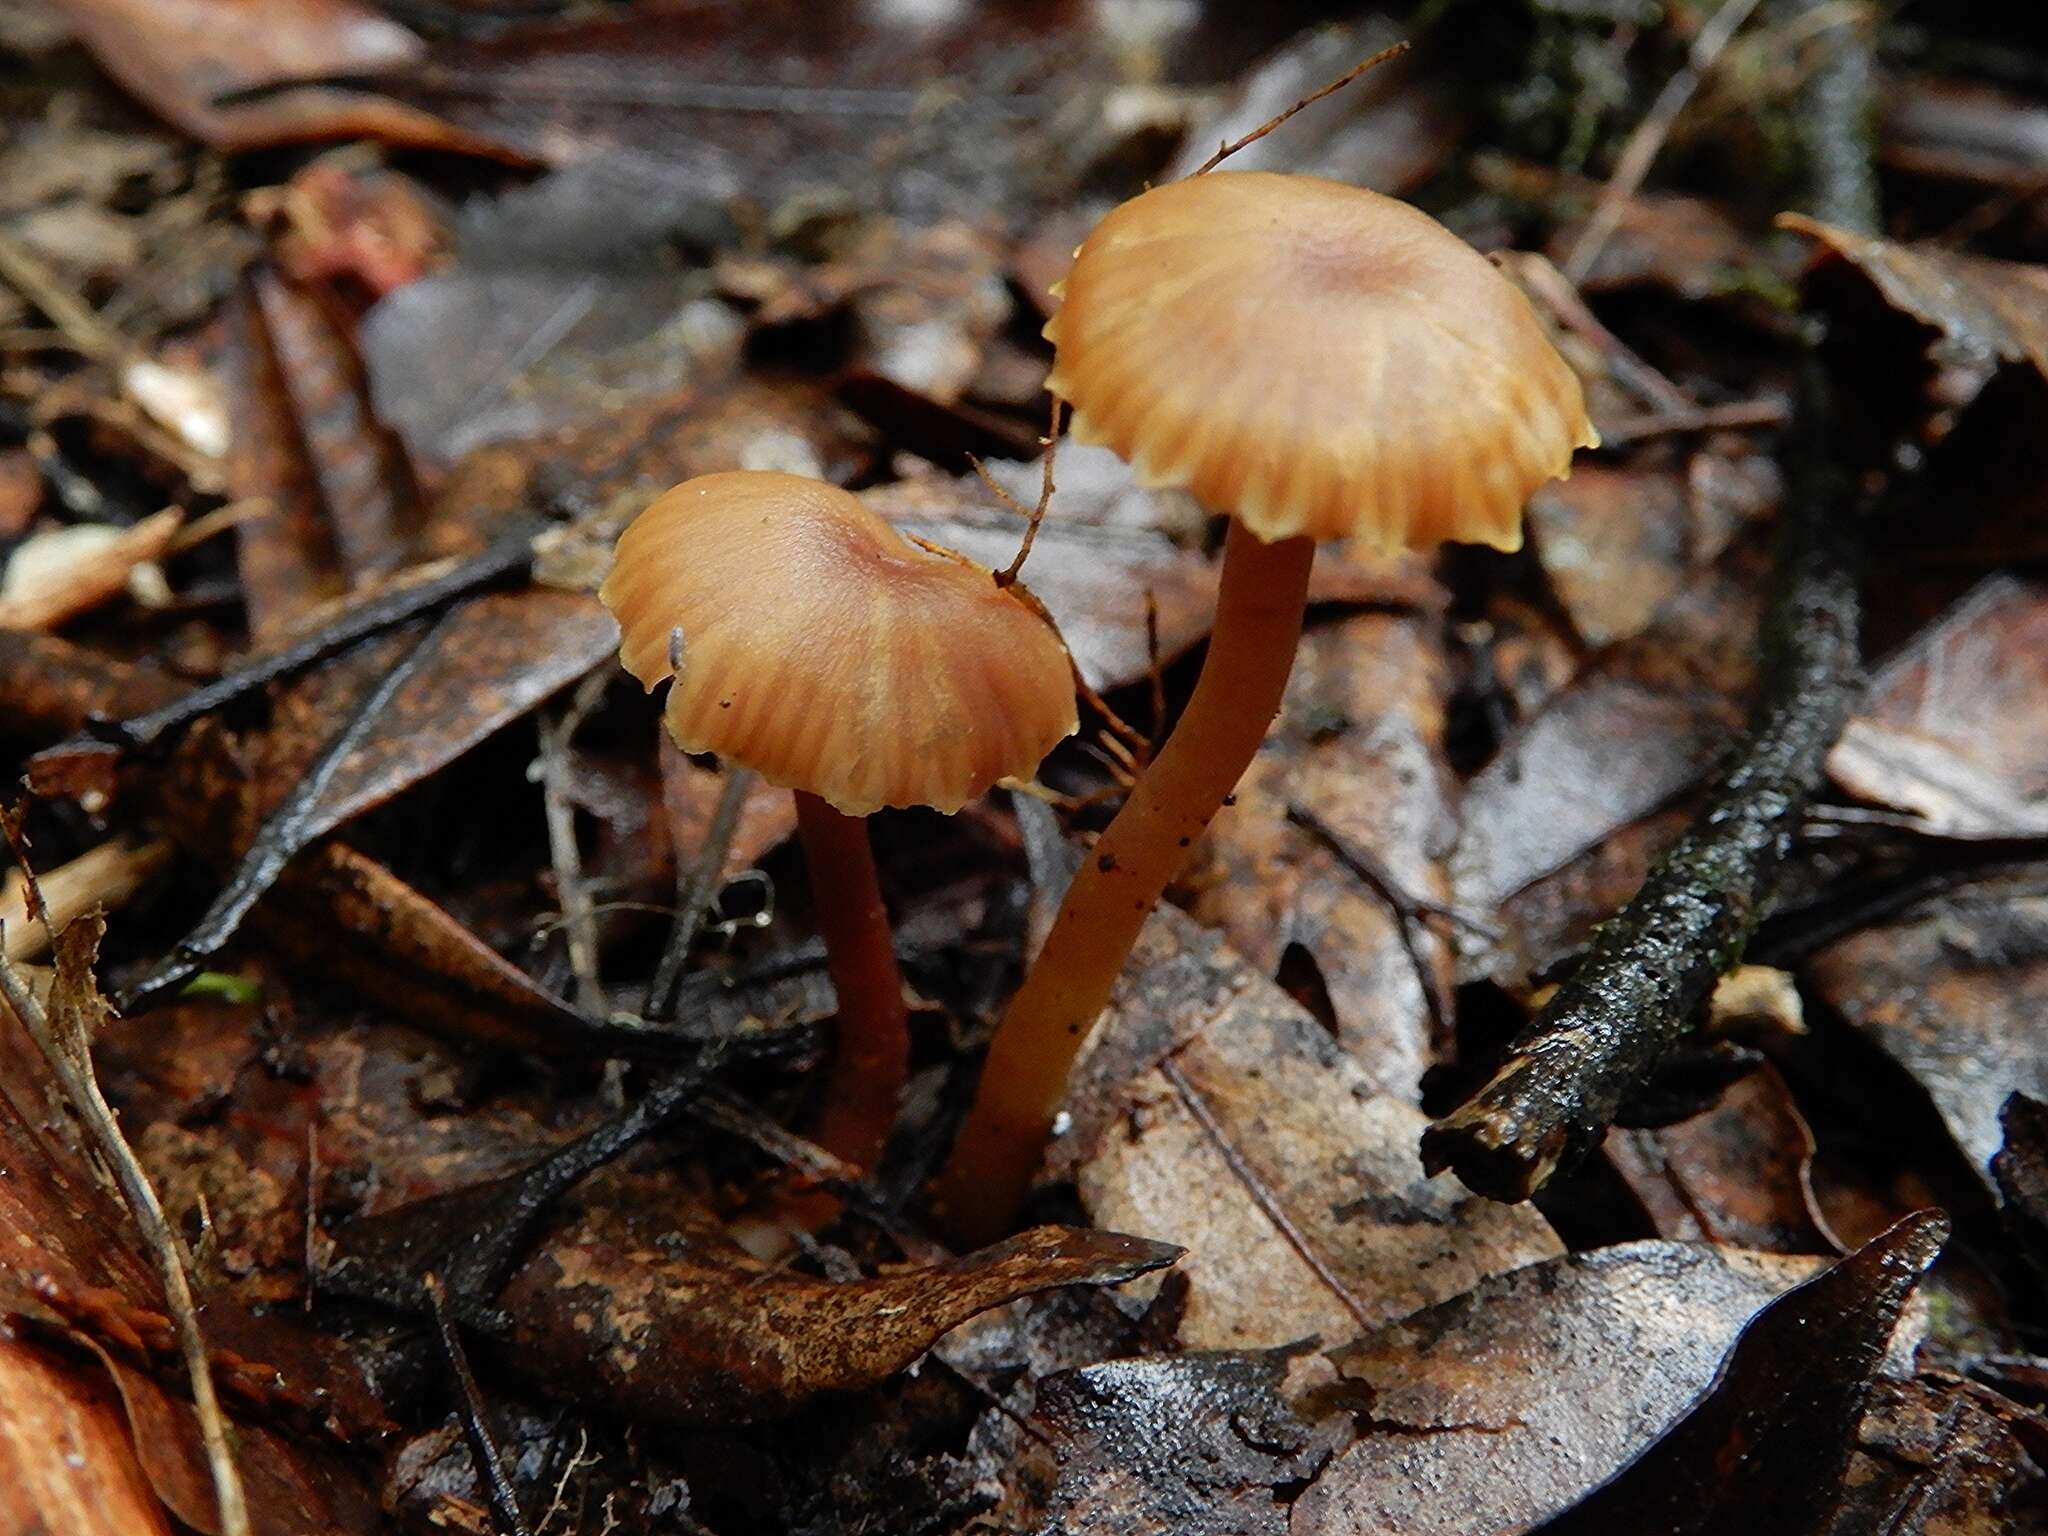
{"x": 1311, "y": 360}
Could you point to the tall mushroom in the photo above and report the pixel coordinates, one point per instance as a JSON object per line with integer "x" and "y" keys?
{"x": 810, "y": 641}
{"x": 1317, "y": 361}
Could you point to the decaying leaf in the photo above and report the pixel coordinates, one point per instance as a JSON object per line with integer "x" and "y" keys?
{"x": 1213, "y": 1112}
{"x": 1766, "y": 1451}
{"x": 1954, "y": 730}
{"x": 1491, "y": 1412}
{"x": 1187, "y": 1445}
{"x": 1939, "y": 1457}
{"x": 66, "y": 1461}
{"x": 1955, "y": 996}
{"x": 1738, "y": 1173}
{"x": 2021, "y": 1169}
{"x": 689, "y": 1329}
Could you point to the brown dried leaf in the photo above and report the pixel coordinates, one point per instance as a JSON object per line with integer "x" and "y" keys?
{"x": 1988, "y": 309}
{"x": 1956, "y": 997}
{"x": 181, "y": 56}
{"x": 1491, "y": 1412}
{"x": 1739, "y": 1173}
{"x": 66, "y": 1461}
{"x": 689, "y": 1329}
{"x": 1359, "y": 744}
{"x": 1954, "y": 730}
{"x": 1211, "y": 1111}
{"x": 1188, "y": 1445}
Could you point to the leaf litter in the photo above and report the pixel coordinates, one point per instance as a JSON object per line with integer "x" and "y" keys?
{"x": 650, "y": 241}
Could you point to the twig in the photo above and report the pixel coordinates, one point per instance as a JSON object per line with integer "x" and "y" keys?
{"x": 83, "y": 329}
{"x": 1768, "y": 411}
{"x": 1361, "y": 863}
{"x": 695, "y": 884}
{"x": 1007, "y": 576}
{"x": 1224, "y": 152}
{"x": 1632, "y": 166}
{"x": 484, "y": 1454}
{"x": 509, "y": 556}
{"x": 289, "y": 829}
{"x": 68, "y": 1053}
{"x": 579, "y": 915}
{"x": 1646, "y": 978}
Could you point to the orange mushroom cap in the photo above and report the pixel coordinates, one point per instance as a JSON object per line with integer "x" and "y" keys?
{"x": 1313, "y": 358}
{"x": 827, "y": 652}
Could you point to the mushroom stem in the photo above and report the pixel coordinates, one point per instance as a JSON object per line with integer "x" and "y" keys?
{"x": 1251, "y": 651}
{"x": 873, "y": 1043}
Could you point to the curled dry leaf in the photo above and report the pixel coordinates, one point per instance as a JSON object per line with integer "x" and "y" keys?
{"x": 1954, "y": 730}
{"x": 61, "y": 574}
{"x": 689, "y": 1329}
{"x": 1199, "y": 1444}
{"x": 1767, "y": 1449}
{"x": 1491, "y": 1412}
{"x": 1955, "y": 996}
{"x": 1359, "y": 745}
{"x": 1740, "y": 1172}
{"x": 1992, "y": 309}
{"x": 1213, "y": 1112}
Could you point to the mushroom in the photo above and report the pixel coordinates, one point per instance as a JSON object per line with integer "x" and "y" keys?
{"x": 1317, "y": 361}
{"x": 810, "y": 641}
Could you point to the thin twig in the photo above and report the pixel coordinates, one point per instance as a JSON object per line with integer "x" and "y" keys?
{"x": 1735, "y": 415}
{"x": 68, "y": 1053}
{"x": 558, "y": 730}
{"x": 484, "y": 1454}
{"x": 1632, "y": 167}
{"x": 1007, "y": 576}
{"x": 83, "y": 329}
{"x": 695, "y": 884}
{"x": 509, "y": 556}
{"x": 1225, "y": 151}
{"x": 287, "y": 831}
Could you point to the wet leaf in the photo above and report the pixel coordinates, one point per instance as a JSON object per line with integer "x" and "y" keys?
{"x": 1954, "y": 730}
{"x": 1211, "y": 1111}
{"x": 1938, "y": 1457}
{"x": 1359, "y": 747}
{"x": 1188, "y": 1445}
{"x": 1493, "y": 1411}
{"x": 2021, "y": 1169}
{"x": 1954, "y": 996}
{"x": 1766, "y": 1451}
{"x": 690, "y": 1329}
{"x": 1739, "y": 1173}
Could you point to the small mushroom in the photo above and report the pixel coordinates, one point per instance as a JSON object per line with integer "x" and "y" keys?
{"x": 1317, "y": 361}
{"x": 808, "y": 640}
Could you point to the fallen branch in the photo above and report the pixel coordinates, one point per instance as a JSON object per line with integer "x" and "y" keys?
{"x": 1644, "y": 982}
{"x": 67, "y": 1051}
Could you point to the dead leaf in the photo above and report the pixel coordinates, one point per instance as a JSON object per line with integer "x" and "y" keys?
{"x": 1739, "y": 1173}
{"x": 1493, "y": 1411}
{"x": 689, "y": 1329}
{"x": 1938, "y": 1457}
{"x": 2021, "y": 1169}
{"x": 1954, "y": 730}
{"x": 1358, "y": 745}
{"x": 1211, "y": 1111}
{"x": 181, "y": 56}
{"x": 58, "y": 575}
{"x": 1766, "y": 1451}
{"x": 1187, "y": 1445}
{"x": 1987, "y": 309}
{"x": 1955, "y": 997}
{"x": 66, "y": 1463}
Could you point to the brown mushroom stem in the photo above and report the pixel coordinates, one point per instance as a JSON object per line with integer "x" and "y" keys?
{"x": 873, "y": 1046}
{"x": 1251, "y": 651}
